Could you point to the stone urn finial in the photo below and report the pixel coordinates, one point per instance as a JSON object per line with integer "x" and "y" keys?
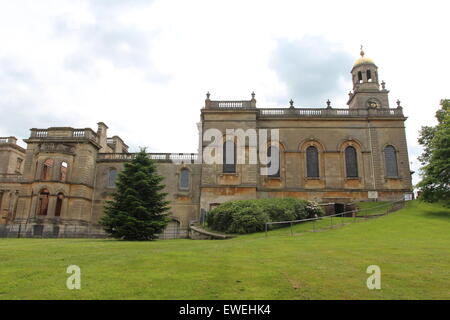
{"x": 291, "y": 104}
{"x": 328, "y": 104}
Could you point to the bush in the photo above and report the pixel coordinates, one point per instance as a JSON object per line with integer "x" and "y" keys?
{"x": 247, "y": 216}
{"x": 237, "y": 217}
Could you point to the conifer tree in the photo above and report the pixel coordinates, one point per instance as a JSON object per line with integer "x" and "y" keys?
{"x": 138, "y": 210}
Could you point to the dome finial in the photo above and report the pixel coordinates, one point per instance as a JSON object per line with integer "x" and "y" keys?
{"x": 362, "y": 51}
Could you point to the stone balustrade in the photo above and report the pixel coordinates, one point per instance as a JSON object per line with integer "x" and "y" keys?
{"x": 11, "y": 140}
{"x": 158, "y": 157}
{"x": 238, "y": 104}
{"x": 302, "y": 112}
{"x": 327, "y": 112}
{"x": 63, "y": 133}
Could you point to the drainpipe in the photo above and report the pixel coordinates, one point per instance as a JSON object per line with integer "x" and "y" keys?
{"x": 93, "y": 197}
{"x": 371, "y": 155}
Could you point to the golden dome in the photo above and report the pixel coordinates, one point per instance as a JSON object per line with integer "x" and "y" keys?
{"x": 363, "y": 60}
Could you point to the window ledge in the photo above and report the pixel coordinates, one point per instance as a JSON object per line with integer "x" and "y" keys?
{"x": 182, "y": 193}
{"x": 313, "y": 178}
{"x": 392, "y": 178}
{"x": 273, "y": 178}
{"x": 352, "y": 178}
{"x": 229, "y": 174}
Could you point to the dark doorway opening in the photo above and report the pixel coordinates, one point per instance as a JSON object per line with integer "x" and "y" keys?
{"x": 339, "y": 208}
{"x": 38, "y": 230}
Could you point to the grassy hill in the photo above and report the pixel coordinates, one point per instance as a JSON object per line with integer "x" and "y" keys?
{"x": 411, "y": 246}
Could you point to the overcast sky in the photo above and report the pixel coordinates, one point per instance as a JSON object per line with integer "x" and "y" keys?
{"x": 143, "y": 67}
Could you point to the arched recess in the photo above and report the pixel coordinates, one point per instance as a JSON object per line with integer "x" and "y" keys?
{"x": 351, "y": 162}
{"x": 63, "y": 168}
{"x": 59, "y": 204}
{"x": 172, "y": 230}
{"x": 275, "y": 152}
{"x": 47, "y": 168}
{"x": 184, "y": 179}
{"x": 390, "y": 155}
{"x": 351, "y": 168}
{"x": 111, "y": 177}
{"x": 43, "y": 202}
{"x": 317, "y": 170}
{"x": 229, "y": 154}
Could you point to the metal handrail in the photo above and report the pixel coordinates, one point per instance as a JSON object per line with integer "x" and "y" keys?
{"x": 331, "y": 215}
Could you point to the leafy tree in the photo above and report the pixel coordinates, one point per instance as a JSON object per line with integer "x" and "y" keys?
{"x": 138, "y": 209}
{"x": 435, "y": 159}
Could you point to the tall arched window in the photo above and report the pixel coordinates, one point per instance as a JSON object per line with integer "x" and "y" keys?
{"x": 312, "y": 162}
{"x": 369, "y": 76}
{"x": 43, "y": 202}
{"x": 351, "y": 162}
{"x": 229, "y": 157}
{"x": 274, "y": 166}
{"x": 112, "y": 176}
{"x": 184, "y": 179}
{"x": 390, "y": 159}
{"x": 63, "y": 171}
{"x": 59, "y": 203}
{"x": 47, "y": 169}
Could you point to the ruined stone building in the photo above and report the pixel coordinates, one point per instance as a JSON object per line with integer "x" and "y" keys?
{"x": 57, "y": 186}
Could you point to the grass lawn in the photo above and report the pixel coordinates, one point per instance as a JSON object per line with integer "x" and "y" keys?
{"x": 411, "y": 246}
{"x": 368, "y": 208}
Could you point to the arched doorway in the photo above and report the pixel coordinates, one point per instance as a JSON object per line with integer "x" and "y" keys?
{"x": 171, "y": 231}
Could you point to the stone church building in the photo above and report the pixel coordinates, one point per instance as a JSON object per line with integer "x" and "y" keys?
{"x": 57, "y": 186}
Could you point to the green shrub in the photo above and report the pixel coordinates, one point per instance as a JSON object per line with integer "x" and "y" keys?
{"x": 277, "y": 209}
{"x": 246, "y": 216}
{"x": 248, "y": 219}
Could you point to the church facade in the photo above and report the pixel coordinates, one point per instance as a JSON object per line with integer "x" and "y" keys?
{"x": 58, "y": 185}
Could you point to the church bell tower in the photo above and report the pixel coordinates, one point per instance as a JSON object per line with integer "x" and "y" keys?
{"x": 366, "y": 87}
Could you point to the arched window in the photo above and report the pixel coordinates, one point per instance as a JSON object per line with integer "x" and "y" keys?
{"x": 112, "y": 176}
{"x": 43, "y": 202}
{"x": 390, "y": 159}
{"x": 360, "y": 79}
{"x": 312, "y": 162}
{"x": 63, "y": 171}
{"x": 47, "y": 169}
{"x": 59, "y": 203}
{"x": 229, "y": 157}
{"x": 351, "y": 162}
{"x": 274, "y": 165}
{"x": 184, "y": 179}
{"x": 369, "y": 76}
